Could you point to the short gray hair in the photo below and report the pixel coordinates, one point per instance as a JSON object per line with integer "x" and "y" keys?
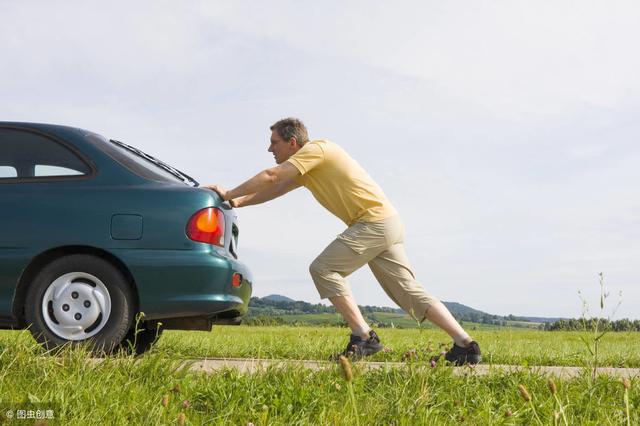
{"x": 291, "y": 127}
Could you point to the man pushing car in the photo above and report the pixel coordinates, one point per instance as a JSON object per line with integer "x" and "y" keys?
{"x": 374, "y": 235}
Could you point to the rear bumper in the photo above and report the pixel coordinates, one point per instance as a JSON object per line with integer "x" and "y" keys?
{"x": 188, "y": 283}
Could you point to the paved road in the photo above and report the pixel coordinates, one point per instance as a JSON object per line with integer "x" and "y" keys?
{"x": 250, "y": 365}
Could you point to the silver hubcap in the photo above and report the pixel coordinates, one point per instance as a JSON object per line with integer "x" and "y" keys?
{"x": 76, "y": 306}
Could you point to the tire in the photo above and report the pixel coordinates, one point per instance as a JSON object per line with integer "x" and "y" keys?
{"x": 141, "y": 340}
{"x": 80, "y": 299}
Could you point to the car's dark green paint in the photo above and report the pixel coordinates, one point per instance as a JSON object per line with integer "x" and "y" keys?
{"x": 138, "y": 224}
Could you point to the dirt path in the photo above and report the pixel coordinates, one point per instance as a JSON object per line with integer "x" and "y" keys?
{"x": 250, "y": 365}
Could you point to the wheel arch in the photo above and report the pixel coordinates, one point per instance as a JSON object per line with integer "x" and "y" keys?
{"x": 46, "y": 257}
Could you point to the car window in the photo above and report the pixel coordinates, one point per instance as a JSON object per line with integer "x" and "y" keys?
{"x": 55, "y": 171}
{"x": 132, "y": 161}
{"x": 8, "y": 172}
{"x": 26, "y": 155}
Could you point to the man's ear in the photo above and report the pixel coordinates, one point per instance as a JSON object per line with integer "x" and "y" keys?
{"x": 293, "y": 142}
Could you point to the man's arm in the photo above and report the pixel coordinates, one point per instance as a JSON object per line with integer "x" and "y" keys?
{"x": 268, "y": 178}
{"x": 265, "y": 195}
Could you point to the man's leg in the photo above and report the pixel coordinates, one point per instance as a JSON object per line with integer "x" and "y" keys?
{"x": 393, "y": 271}
{"x": 328, "y": 272}
{"x": 439, "y": 315}
{"x": 337, "y": 261}
{"x": 349, "y": 310}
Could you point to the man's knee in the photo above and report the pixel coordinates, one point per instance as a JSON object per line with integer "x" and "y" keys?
{"x": 319, "y": 275}
{"x": 317, "y": 268}
{"x": 328, "y": 283}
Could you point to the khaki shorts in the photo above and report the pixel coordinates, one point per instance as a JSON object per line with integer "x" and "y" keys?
{"x": 379, "y": 244}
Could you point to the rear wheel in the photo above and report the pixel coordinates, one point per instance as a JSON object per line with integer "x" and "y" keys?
{"x": 79, "y": 299}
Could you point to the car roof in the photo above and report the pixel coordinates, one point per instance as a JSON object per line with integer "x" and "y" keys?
{"x": 45, "y": 127}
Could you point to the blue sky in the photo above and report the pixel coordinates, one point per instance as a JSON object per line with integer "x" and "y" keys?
{"x": 505, "y": 132}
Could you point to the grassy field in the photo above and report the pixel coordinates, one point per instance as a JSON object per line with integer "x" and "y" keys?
{"x": 124, "y": 390}
{"x": 500, "y": 346}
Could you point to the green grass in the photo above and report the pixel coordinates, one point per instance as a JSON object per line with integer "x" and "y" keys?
{"x": 123, "y": 390}
{"x": 500, "y": 346}
{"x": 515, "y": 346}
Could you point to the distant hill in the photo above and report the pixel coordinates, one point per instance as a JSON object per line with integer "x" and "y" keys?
{"x": 276, "y": 309}
{"x": 278, "y": 298}
{"x": 460, "y": 310}
{"x": 278, "y": 306}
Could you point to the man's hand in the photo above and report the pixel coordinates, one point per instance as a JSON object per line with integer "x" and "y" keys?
{"x": 275, "y": 181}
{"x": 219, "y": 190}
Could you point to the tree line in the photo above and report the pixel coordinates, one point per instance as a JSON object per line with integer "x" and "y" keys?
{"x": 590, "y": 324}
{"x": 264, "y": 312}
{"x": 299, "y": 307}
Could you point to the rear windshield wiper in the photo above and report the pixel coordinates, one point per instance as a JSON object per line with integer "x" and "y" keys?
{"x": 177, "y": 173}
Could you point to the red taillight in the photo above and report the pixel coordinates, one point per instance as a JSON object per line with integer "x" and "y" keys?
{"x": 207, "y": 226}
{"x": 236, "y": 280}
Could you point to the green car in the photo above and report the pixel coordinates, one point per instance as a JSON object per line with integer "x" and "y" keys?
{"x": 104, "y": 244}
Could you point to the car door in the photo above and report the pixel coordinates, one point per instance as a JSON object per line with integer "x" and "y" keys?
{"x": 35, "y": 171}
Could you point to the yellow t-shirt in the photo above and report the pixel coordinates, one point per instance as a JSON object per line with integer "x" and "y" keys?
{"x": 339, "y": 183}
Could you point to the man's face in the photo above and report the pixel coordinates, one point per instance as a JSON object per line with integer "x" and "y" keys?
{"x": 280, "y": 148}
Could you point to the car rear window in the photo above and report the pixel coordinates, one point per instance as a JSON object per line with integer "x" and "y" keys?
{"x": 134, "y": 162}
{"x": 29, "y": 155}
